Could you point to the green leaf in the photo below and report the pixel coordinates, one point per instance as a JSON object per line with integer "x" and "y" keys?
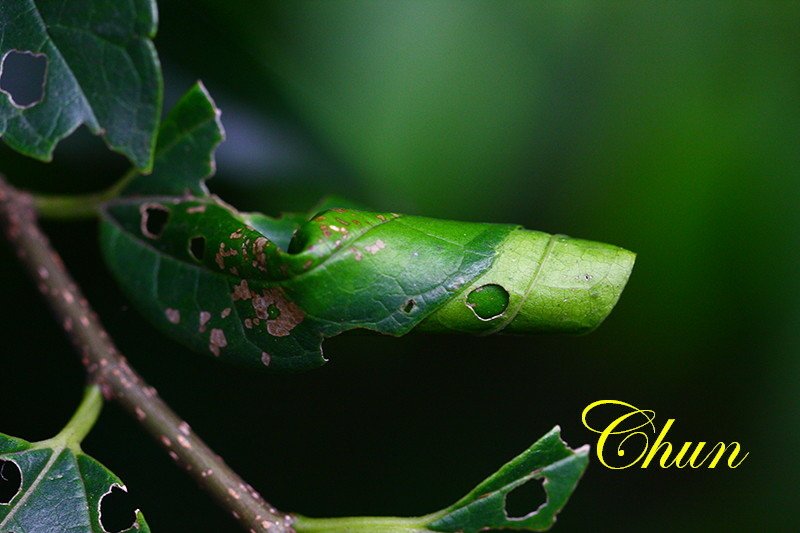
{"x": 102, "y": 71}
{"x": 52, "y": 486}
{"x": 184, "y": 155}
{"x": 267, "y": 291}
{"x": 221, "y": 282}
{"x": 549, "y": 460}
{"x": 62, "y": 489}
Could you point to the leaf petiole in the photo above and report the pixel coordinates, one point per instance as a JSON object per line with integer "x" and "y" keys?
{"x": 385, "y": 524}
{"x": 80, "y": 424}
{"x": 78, "y": 206}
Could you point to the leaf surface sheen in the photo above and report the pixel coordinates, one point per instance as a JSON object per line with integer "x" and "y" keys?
{"x": 102, "y": 71}
{"x": 266, "y": 291}
{"x": 61, "y": 489}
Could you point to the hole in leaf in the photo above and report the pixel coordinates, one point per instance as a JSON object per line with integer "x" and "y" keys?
{"x": 197, "y": 247}
{"x": 488, "y": 301}
{"x": 273, "y": 312}
{"x": 409, "y": 306}
{"x": 525, "y": 500}
{"x": 300, "y": 239}
{"x": 154, "y": 220}
{"x": 22, "y": 77}
{"x": 10, "y": 480}
{"x": 117, "y": 512}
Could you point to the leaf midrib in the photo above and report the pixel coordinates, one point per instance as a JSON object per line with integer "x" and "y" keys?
{"x": 35, "y": 484}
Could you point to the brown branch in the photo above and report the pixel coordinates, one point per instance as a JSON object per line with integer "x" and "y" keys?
{"x": 107, "y": 367}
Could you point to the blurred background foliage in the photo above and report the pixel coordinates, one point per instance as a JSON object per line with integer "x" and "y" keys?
{"x": 671, "y": 129}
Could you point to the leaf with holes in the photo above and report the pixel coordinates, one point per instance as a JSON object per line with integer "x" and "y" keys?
{"x": 254, "y": 289}
{"x": 80, "y": 62}
{"x": 548, "y": 463}
{"x": 267, "y": 291}
{"x": 485, "y": 507}
{"x": 50, "y": 486}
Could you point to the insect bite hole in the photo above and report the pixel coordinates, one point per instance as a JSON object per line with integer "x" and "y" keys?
{"x": 520, "y": 499}
{"x": 154, "y": 220}
{"x": 10, "y": 480}
{"x": 117, "y": 512}
{"x": 197, "y": 248}
{"x": 22, "y": 77}
{"x": 488, "y": 301}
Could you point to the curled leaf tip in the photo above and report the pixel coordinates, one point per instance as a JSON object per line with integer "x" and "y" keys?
{"x": 539, "y": 283}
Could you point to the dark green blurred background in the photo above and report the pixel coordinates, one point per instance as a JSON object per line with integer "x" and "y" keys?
{"x": 671, "y": 129}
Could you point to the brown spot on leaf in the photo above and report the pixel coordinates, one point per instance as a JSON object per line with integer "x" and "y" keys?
{"x": 241, "y": 291}
{"x": 173, "y": 315}
{"x": 289, "y": 314}
{"x": 225, "y": 312}
{"x": 217, "y": 341}
{"x": 205, "y": 316}
{"x": 357, "y": 253}
{"x": 258, "y": 252}
{"x": 219, "y": 257}
{"x": 196, "y": 209}
{"x": 266, "y": 358}
{"x": 375, "y": 248}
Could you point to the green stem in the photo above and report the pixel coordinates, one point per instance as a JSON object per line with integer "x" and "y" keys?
{"x": 384, "y": 524}
{"x": 74, "y": 206}
{"x": 84, "y": 418}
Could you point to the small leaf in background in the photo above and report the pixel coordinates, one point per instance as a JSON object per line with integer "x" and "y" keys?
{"x": 549, "y": 463}
{"x": 486, "y": 507}
{"x": 184, "y": 155}
{"x": 50, "y": 486}
{"x": 80, "y": 62}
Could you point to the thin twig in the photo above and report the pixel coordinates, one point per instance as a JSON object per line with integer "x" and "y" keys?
{"x": 108, "y": 368}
